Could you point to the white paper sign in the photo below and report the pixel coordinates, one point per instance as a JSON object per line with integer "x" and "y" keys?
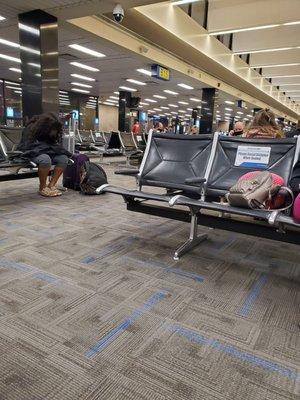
{"x": 252, "y": 156}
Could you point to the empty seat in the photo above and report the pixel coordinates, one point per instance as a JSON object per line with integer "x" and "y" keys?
{"x": 168, "y": 162}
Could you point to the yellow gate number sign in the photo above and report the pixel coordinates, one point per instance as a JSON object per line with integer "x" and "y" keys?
{"x": 160, "y": 72}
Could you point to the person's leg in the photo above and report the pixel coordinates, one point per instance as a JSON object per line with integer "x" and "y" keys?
{"x": 60, "y": 161}
{"x": 44, "y": 164}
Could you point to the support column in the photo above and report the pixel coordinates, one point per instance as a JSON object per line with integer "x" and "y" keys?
{"x": 208, "y": 110}
{"x": 38, "y": 35}
{"x": 124, "y": 111}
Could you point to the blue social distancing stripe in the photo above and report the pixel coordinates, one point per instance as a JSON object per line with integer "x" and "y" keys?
{"x": 252, "y": 295}
{"x": 233, "y": 351}
{"x": 164, "y": 267}
{"x": 114, "y": 333}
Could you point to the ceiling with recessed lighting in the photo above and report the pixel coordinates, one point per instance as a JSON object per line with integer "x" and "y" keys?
{"x": 95, "y": 66}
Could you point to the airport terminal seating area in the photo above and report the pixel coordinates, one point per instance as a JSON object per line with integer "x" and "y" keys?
{"x": 94, "y": 307}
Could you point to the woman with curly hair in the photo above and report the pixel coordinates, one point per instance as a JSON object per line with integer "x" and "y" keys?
{"x": 41, "y": 143}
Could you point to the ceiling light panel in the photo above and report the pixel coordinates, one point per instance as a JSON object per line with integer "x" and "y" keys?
{"x": 83, "y": 77}
{"x": 195, "y": 99}
{"x": 84, "y": 66}
{"x": 151, "y": 100}
{"x": 9, "y": 58}
{"x": 158, "y": 96}
{"x": 127, "y": 88}
{"x": 81, "y": 84}
{"x": 144, "y": 71}
{"x": 15, "y": 70}
{"x": 136, "y": 82}
{"x": 170, "y": 92}
{"x": 184, "y": 86}
{"x": 86, "y": 50}
{"x": 80, "y": 90}
{"x": 253, "y": 28}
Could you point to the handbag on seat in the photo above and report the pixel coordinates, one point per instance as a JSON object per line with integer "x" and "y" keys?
{"x": 254, "y": 191}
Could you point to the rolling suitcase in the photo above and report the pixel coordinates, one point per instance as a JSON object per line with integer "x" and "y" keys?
{"x": 71, "y": 177}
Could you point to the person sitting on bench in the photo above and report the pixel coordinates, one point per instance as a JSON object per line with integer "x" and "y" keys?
{"x": 41, "y": 143}
{"x": 264, "y": 126}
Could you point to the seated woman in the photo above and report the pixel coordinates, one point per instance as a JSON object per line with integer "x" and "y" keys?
{"x": 264, "y": 126}
{"x": 41, "y": 143}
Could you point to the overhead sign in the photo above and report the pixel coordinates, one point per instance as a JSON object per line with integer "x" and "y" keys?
{"x": 241, "y": 104}
{"x": 252, "y": 156}
{"x": 160, "y": 72}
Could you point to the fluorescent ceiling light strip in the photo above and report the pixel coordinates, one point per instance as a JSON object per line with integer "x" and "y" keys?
{"x": 229, "y": 102}
{"x": 165, "y": 108}
{"x": 173, "y": 105}
{"x": 9, "y": 43}
{"x": 86, "y": 50}
{"x": 81, "y": 84}
{"x": 291, "y": 23}
{"x": 2, "y": 18}
{"x": 170, "y": 92}
{"x": 12, "y": 83}
{"x": 80, "y": 90}
{"x": 14, "y": 59}
{"x": 11, "y": 87}
{"x": 15, "y": 70}
{"x": 265, "y": 50}
{"x": 158, "y": 96}
{"x": 183, "y": 85}
{"x": 282, "y": 76}
{"x": 183, "y": 102}
{"x": 62, "y": 91}
{"x": 195, "y": 99}
{"x": 151, "y": 100}
{"x": 127, "y": 88}
{"x": 136, "y": 82}
{"x": 83, "y": 77}
{"x": 144, "y": 71}
{"x": 274, "y": 65}
{"x": 179, "y": 2}
{"x": 115, "y": 98}
{"x": 84, "y": 66}
{"x": 144, "y": 104}
{"x": 253, "y": 28}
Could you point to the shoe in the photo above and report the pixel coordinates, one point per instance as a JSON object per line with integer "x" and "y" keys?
{"x": 48, "y": 192}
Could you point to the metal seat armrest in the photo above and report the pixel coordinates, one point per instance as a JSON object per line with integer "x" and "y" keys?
{"x": 195, "y": 180}
{"x": 174, "y": 199}
{"x": 101, "y": 188}
{"x": 128, "y": 172}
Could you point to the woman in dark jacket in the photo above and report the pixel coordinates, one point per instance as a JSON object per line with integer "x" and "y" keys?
{"x": 41, "y": 143}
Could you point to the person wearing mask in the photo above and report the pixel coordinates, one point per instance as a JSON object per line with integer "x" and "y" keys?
{"x": 238, "y": 129}
{"x": 194, "y": 130}
{"x": 295, "y": 131}
{"x": 264, "y": 126}
{"x": 136, "y": 128}
{"x": 41, "y": 143}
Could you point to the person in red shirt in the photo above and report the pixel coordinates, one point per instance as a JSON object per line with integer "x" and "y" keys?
{"x": 136, "y": 128}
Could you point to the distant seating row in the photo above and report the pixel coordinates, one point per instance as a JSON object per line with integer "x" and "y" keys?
{"x": 197, "y": 171}
{"x": 112, "y": 143}
{"x": 11, "y": 159}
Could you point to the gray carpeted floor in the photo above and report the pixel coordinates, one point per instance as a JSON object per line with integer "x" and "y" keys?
{"x": 92, "y": 305}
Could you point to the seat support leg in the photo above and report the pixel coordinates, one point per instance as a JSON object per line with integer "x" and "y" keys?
{"x": 193, "y": 240}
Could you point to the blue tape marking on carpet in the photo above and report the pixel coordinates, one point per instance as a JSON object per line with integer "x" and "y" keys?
{"x": 109, "y": 249}
{"x": 252, "y": 295}
{"x": 110, "y": 336}
{"x": 157, "y": 264}
{"x": 19, "y": 266}
{"x": 233, "y": 351}
{"x": 45, "y": 277}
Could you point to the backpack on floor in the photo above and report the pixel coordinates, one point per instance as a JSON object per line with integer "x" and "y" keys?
{"x": 71, "y": 177}
{"x": 91, "y": 177}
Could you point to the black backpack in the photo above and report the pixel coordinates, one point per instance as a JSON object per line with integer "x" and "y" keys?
{"x": 91, "y": 177}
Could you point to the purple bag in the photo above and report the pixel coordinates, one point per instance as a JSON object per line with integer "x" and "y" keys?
{"x": 71, "y": 177}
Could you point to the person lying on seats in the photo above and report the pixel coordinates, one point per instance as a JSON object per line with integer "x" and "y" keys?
{"x": 41, "y": 143}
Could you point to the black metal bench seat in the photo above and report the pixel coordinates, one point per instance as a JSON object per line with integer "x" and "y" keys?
{"x": 200, "y": 170}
